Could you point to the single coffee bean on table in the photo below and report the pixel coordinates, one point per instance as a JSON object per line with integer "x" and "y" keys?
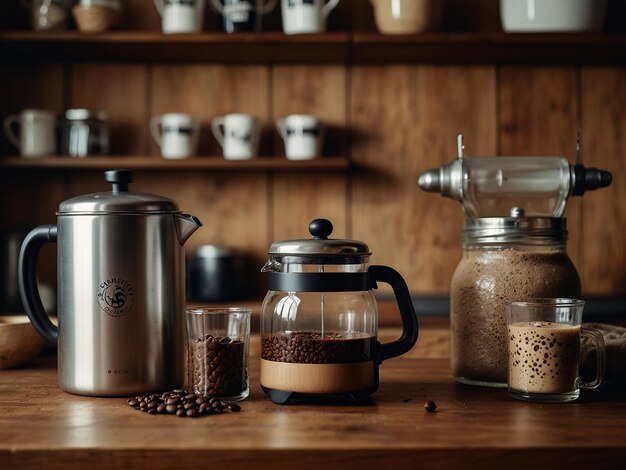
{"x": 182, "y": 403}
{"x": 430, "y": 406}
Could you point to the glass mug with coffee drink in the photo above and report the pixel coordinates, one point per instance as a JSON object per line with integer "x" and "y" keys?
{"x": 178, "y": 135}
{"x": 544, "y": 350}
{"x": 238, "y": 135}
{"x": 242, "y": 15}
{"x": 181, "y": 16}
{"x": 37, "y": 134}
{"x": 306, "y": 16}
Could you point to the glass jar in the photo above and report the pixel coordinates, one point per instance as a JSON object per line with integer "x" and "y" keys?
{"x": 504, "y": 258}
{"x": 319, "y": 318}
{"x": 84, "y": 133}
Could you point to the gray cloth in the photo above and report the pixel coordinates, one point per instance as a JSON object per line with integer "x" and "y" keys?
{"x": 615, "y": 343}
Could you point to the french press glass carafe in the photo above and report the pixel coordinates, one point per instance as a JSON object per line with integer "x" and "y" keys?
{"x": 320, "y": 318}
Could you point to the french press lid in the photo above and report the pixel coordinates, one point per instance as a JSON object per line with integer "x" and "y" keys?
{"x": 320, "y": 249}
{"x": 119, "y": 200}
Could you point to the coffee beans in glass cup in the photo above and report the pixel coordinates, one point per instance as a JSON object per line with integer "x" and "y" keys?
{"x": 218, "y": 341}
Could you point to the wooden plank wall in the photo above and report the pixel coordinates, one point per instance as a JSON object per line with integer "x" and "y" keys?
{"x": 393, "y": 121}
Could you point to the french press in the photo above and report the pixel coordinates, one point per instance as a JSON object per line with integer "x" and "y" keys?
{"x": 320, "y": 319}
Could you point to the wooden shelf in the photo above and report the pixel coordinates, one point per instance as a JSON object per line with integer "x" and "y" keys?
{"x": 158, "y": 163}
{"x": 276, "y": 47}
{"x": 491, "y": 48}
{"x": 143, "y": 46}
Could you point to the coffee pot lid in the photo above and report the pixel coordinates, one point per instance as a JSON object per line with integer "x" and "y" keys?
{"x": 119, "y": 200}
{"x": 332, "y": 250}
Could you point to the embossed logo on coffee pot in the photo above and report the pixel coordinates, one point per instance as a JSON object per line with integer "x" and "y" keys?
{"x": 116, "y": 296}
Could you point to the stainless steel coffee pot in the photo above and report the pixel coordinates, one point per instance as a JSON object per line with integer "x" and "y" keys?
{"x": 120, "y": 290}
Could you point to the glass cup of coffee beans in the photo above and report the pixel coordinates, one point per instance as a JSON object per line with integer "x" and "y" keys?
{"x": 218, "y": 341}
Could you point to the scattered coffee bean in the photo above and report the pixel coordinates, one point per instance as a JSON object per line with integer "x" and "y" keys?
{"x": 182, "y": 403}
{"x": 430, "y": 406}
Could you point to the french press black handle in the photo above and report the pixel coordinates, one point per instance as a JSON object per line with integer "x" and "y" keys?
{"x": 27, "y": 279}
{"x": 410, "y": 328}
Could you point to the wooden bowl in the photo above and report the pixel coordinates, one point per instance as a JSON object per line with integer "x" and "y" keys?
{"x": 19, "y": 342}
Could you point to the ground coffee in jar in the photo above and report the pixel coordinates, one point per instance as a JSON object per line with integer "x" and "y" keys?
{"x": 503, "y": 258}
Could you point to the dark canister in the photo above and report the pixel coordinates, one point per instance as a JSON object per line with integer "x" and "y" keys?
{"x": 217, "y": 274}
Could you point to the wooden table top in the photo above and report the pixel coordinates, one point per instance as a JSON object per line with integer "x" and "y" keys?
{"x": 42, "y": 426}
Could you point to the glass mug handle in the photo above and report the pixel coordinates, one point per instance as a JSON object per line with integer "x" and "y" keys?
{"x": 330, "y": 6}
{"x": 281, "y": 127}
{"x": 266, "y": 7}
{"x": 216, "y": 126}
{"x": 598, "y": 339}
{"x": 154, "y": 129}
{"x": 410, "y": 328}
{"x": 159, "y": 6}
{"x": 217, "y": 6}
{"x": 9, "y": 121}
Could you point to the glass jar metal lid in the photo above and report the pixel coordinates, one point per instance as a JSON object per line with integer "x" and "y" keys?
{"x": 79, "y": 114}
{"x": 516, "y": 229}
{"x": 320, "y": 248}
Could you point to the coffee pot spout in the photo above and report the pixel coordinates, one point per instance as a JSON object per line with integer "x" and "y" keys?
{"x": 186, "y": 225}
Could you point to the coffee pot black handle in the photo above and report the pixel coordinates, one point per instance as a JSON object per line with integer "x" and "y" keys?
{"x": 410, "y": 327}
{"x": 27, "y": 278}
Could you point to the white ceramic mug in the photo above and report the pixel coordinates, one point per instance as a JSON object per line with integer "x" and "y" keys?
{"x": 238, "y": 135}
{"x": 302, "y": 135}
{"x": 177, "y": 136}
{"x": 181, "y": 16}
{"x": 306, "y": 16}
{"x": 37, "y": 135}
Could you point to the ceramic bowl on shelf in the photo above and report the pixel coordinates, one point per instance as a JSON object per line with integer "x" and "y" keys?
{"x": 97, "y": 16}
{"x": 534, "y": 16}
{"x": 407, "y": 16}
{"x": 19, "y": 342}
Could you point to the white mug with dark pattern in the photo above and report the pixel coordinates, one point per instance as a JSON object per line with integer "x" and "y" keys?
{"x": 238, "y": 135}
{"x": 176, "y": 133}
{"x": 302, "y": 135}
